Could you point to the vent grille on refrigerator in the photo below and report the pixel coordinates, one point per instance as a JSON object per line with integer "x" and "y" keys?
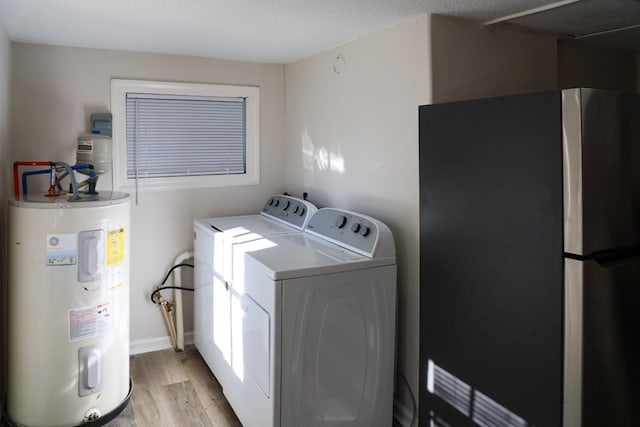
{"x": 449, "y": 388}
{"x": 483, "y": 410}
{"x": 488, "y": 413}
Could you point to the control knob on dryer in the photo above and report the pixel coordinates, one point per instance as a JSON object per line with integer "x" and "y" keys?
{"x": 341, "y": 221}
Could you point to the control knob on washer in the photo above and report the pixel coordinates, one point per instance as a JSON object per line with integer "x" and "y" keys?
{"x": 286, "y": 205}
{"x": 364, "y": 231}
{"x": 355, "y": 227}
{"x": 341, "y": 221}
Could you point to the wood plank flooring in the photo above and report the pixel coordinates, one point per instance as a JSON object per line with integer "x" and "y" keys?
{"x": 174, "y": 389}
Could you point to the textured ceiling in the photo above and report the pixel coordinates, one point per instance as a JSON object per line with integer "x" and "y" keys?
{"x": 281, "y": 31}
{"x": 592, "y": 21}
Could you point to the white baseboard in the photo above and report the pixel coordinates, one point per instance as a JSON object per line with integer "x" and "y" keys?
{"x": 145, "y": 345}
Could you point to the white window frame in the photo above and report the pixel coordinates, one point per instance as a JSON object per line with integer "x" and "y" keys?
{"x": 119, "y": 90}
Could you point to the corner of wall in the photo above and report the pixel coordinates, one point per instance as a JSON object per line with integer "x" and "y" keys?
{"x": 586, "y": 65}
{"x": 472, "y": 61}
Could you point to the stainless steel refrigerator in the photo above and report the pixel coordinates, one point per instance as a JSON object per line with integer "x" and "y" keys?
{"x": 530, "y": 261}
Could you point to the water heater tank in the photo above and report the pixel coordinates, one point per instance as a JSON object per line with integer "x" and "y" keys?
{"x": 68, "y": 310}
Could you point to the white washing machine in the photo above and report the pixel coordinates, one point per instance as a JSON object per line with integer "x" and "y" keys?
{"x": 313, "y": 325}
{"x": 213, "y": 239}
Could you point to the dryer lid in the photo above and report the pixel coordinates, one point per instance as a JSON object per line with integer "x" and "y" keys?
{"x": 300, "y": 255}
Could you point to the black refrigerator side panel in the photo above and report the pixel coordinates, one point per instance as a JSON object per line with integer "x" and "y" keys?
{"x": 611, "y": 349}
{"x": 491, "y": 293}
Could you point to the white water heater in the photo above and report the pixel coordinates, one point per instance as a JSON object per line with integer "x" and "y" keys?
{"x": 68, "y": 310}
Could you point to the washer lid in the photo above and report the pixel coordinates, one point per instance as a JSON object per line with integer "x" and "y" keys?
{"x": 234, "y": 226}
{"x": 299, "y": 255}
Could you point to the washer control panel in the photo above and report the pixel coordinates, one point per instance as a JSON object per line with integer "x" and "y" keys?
{"x": 358, "y": 232}
{"x": 290, "y": 210}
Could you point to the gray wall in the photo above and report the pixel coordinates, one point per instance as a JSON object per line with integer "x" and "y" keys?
{"x": 581, "y": 65}
{"x": 471, "y": 61}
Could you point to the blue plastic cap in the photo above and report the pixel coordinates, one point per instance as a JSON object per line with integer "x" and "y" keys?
{"x": 95, "y": 131}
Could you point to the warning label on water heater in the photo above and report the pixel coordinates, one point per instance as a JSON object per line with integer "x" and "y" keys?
{"x": 89, "y": 322}
{"x": 115, "y": 246}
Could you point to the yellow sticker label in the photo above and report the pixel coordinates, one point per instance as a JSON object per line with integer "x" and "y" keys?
{"x": 115, "y": 246}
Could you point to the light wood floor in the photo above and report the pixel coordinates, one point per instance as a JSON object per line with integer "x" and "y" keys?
{"x": 174, "y": 390}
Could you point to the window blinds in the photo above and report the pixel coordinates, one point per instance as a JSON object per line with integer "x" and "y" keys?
{"x": 171, "y": 136}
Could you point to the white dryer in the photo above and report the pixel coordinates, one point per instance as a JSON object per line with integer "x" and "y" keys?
{"x": 313, "y": 325}
{"x": 213, "y": 239}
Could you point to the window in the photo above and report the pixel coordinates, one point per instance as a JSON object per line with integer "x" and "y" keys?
{"x": 184, "y": 135}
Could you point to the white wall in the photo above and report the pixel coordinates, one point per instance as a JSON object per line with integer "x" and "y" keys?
{"x": 471, "y": 61}
{"x": 352, "y": 142}
{"x": 5, "y": 167}
{"x": 55, "y": 90}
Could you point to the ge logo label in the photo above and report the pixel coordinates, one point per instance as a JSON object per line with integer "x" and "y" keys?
{"x": 53, "y": 241}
